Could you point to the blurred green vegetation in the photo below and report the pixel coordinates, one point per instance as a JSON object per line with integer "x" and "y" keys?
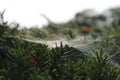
{"x": 24, "y": 60}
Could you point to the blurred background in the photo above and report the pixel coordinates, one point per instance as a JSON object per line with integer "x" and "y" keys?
{"x": 28, "y": 12}
{"x": 79, "y": 21}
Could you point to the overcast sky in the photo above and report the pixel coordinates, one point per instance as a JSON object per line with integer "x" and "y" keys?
{"x": 27, "y": 12}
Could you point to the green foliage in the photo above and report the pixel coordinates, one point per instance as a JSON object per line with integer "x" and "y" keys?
{"x": 39, "y": 62}
{"x": 24, "y": 60}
